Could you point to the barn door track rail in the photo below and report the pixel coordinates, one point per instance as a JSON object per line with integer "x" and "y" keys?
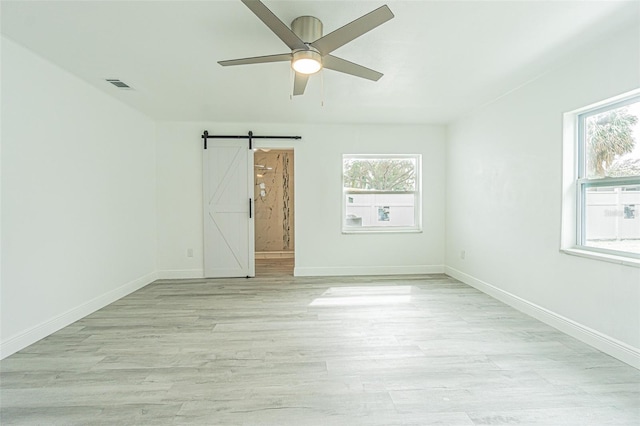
{"x": 250, "y": 136}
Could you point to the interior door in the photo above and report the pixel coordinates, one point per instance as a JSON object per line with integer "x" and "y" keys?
{"x": 228, "y": 203}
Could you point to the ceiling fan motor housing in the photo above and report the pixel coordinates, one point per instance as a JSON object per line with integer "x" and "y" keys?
{"x": 308, "y": 28}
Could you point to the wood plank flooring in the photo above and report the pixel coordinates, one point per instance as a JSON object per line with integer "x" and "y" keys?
{"x": 281, "y": 350}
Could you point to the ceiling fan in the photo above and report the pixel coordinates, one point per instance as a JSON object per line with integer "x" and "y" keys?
{"x": 310, "y": 50}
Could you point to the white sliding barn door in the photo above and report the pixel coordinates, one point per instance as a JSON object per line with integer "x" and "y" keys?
{"x": 228, "y": 197}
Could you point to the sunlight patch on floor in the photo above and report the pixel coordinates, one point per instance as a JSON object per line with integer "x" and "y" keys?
{"x": 364, "y": 296}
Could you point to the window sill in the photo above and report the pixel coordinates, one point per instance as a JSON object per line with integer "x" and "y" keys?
{"x": 611, "y": 258}
{"x": 382, "y": 231}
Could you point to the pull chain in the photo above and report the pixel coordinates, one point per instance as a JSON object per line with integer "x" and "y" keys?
{"x": 292, "y": 77}
{"x": 322, "y": 88}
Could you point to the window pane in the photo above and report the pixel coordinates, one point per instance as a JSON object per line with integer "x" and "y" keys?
{"x": 611, "y": 143}
{"x": 379, "y": 210}
{"x": 380, "y": 174}
{"x": 612, "y": 218}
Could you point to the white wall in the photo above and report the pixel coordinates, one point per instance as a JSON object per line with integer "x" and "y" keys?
{"x": 321, "y": 248}
{"x": 504, "y": 196}
{"x": 78, "y": 199}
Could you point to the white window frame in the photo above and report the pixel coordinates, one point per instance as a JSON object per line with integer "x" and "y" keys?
{"x": 417, "y": 210}
{"x": 575, "y": 183}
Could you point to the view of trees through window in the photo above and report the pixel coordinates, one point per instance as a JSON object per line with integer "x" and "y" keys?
{"x": 381, "y": 193}
{"x": 387, "y": 174}
{"x": 611, "y": 211}
{"x": 612, "y": 145}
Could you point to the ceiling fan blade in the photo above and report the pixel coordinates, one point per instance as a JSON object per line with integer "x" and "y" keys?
{"x": 352, "y": 30}
{"x": 257, "y": 60}
{"x": 300, "y": 83}
{"x": 337, "y": 64}
{"x": 275, "y": 24}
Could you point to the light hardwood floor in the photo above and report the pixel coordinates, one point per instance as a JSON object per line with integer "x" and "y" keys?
{"x": 280, "y": 350}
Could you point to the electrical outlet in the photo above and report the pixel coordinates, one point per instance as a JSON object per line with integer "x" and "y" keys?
{"x": 463, "y": 254}
{"x": 190, "y": 252}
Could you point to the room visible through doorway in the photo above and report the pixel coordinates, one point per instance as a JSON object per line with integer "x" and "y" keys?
{"x": 274, "y": 211}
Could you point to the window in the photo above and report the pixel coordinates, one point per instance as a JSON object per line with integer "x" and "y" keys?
{"x": 607, "y": 178}
{"x": 381, "y": 193}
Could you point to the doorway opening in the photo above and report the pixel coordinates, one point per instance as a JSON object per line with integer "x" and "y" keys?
{"x": 274, "y": 211}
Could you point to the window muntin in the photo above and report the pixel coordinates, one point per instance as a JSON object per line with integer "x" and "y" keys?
{"x": 381, "y": 193}
{"x": 608, "y": 179}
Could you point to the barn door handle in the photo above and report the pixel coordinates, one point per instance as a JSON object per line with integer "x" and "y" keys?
{"x": 250, "y": 204}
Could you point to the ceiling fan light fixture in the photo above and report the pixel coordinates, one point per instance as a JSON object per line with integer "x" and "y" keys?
{"x": 306, "y": 62}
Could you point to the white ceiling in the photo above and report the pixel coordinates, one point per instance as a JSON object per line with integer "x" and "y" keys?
{"x": 440, "y": 59}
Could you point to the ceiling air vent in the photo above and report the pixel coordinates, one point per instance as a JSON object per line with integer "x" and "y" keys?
{"x": 119, "y": 84}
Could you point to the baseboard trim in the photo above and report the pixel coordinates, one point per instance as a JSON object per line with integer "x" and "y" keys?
{"x": 607, "y": 344}
{"x": 366, "y": 270}
{"x": 46, "y": 328}
{"x": 180, "y": 274}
